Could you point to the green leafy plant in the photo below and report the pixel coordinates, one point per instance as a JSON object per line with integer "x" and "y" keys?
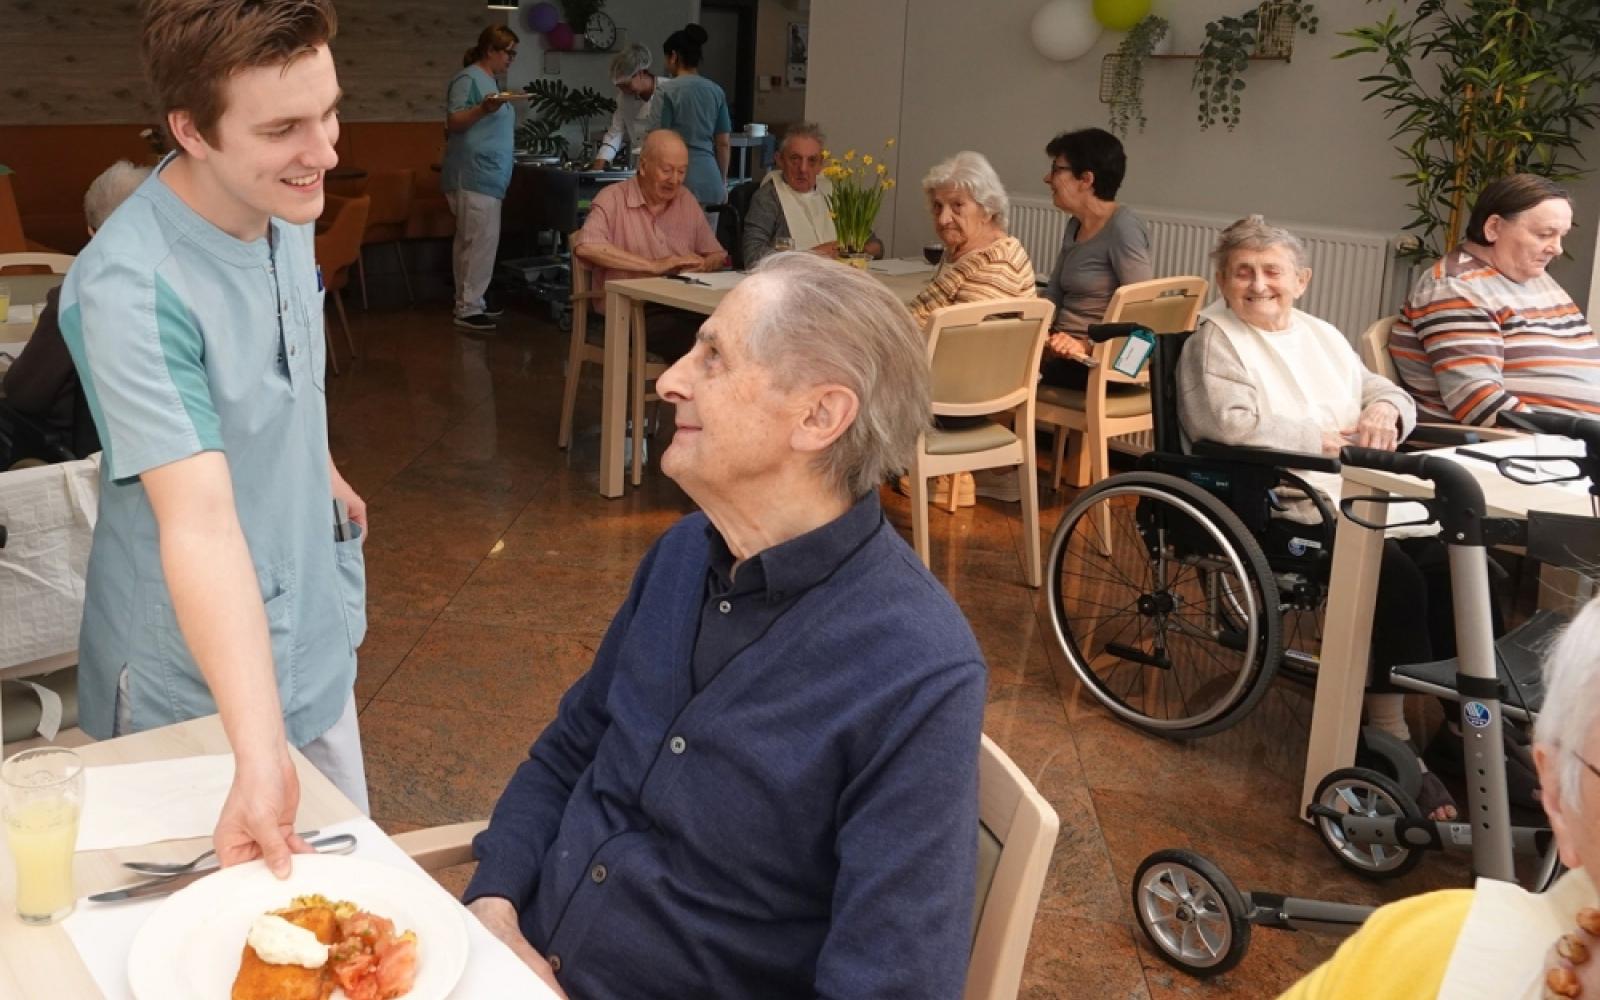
{"x": 553, "y": 107}
{"x": 855, "y": 194}
{"x": 1125, "y": 87}
{"x": 1481, "y": 89}
{"x": 1225, "y": 55}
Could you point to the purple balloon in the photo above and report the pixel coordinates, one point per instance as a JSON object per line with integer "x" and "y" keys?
{"x": 542, "y": 17}
{"x": 560, "y": 37}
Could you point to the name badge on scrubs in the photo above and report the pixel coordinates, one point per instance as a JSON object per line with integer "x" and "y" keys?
{"x": 1130, "y": 361}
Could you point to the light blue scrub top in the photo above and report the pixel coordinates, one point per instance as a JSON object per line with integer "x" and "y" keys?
{"x": 189, "y": 340}
{"x": 697, "y": 109}
{"x": 478, "y": 159}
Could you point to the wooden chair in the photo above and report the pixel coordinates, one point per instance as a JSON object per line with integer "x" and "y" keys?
{"x": 582, "y": 348}
{"x": 985, "y": 360}
{"x": 1373, "y": 346}
{"x": 55, "y": 263}
{"x": 391, "y": 194}
{"x": 338, "y": 247}
{"x": 1114, "y": 404}
{"x": 1016, "y": 833}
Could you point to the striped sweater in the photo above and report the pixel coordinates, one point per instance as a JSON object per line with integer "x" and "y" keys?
{"x": 1000, "y": 270}
{"x": 1471, "y": 342}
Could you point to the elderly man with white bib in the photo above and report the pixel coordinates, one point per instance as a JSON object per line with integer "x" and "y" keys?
{"x": 790, "y": 209}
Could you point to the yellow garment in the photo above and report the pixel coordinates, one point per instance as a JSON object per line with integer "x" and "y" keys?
{"x": 1400, "y": 953}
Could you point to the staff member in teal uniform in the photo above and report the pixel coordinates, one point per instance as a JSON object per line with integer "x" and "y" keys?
{"x": 477, "y": 168}
{"x": 216, "y": 582}
{"x": 697, "y": 109}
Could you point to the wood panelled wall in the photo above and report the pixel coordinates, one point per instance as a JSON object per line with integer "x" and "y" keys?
{"x": 77, "y": 63}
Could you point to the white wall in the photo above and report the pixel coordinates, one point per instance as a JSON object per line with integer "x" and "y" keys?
{"x": 781, "y": 105}
{"x": 1308, "y": 148}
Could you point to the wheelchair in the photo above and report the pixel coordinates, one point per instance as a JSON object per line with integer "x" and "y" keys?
{"x": 1179, "y": 592}
{"x": 1192, "y": 913}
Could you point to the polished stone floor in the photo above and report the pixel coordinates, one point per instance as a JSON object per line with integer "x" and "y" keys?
{"x": 493, "y": 568}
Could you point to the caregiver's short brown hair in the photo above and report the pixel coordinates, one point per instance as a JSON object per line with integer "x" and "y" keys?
{"x": 191, "y": 48}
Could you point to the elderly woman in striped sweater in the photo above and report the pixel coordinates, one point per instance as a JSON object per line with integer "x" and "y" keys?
{"x": 981, "y": 261}
{"x": 1485, "y": 329}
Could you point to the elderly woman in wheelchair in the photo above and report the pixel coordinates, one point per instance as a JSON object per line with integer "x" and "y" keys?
{"x": 1179, "y": 591}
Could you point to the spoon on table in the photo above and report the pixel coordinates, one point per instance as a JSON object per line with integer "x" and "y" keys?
{"x": 178, "y": 868}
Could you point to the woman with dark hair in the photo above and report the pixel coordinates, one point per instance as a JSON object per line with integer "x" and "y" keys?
{"x": 1485, "y": 328}
{"x": 1105, "y": 246}
{"x": 697, "y": 109}
{"x": 477, "y": 167}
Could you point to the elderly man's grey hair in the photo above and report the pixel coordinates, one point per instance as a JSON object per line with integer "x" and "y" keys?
{"x": 804, "y": 130}
{"x": 111, "y": 189}
{"x": 1253, "y": 233}
{"x": 629, "y": 61}
{"x": 1571, "y": 713}
{"x": 822, "y": 323}
{"x": 971, "y": 172}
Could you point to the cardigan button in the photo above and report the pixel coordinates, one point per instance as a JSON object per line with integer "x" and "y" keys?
{"x": 597, "y": 874}
{"x": 555, "y": 963}
{"x": 678, "y": 744}
{"x": 724, "y": 607}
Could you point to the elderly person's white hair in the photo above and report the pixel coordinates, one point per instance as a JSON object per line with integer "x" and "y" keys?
{"x": 111, "y": 189}
{"x": 1571, "y": 714}
{"x": 803, "y": 130}
{"x": 1253, "y": 233}
{"x": 631, "y": 60}
{"x": 970, "y": 172}
{"x": 822, "y": 323}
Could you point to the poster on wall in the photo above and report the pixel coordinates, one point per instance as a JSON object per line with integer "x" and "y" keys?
{"x": 798, "y": 43}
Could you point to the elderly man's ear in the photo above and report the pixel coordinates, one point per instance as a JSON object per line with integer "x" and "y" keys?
{"x": 1545, "y": 762}
{"x": 828, "y": 411}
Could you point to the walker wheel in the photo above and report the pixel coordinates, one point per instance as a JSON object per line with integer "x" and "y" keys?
{"x": 1390, "y": 756}
{"x": 1191, "y": 912}
{"x": 1358, "y": 791}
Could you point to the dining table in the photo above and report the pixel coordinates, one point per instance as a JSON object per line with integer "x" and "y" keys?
{"x": 695, "y": 293}
{"x": 47, "y": 963}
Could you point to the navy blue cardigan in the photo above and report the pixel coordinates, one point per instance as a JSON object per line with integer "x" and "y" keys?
{"x": 804, "y": 826}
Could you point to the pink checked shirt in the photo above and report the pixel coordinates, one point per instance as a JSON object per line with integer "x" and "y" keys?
{"x": 619, "y": 217}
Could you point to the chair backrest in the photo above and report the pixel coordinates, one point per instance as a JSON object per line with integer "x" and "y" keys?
{"x": 550, "y": 197}
{"x": 58, "y": 263}
{"x": 1161, "y": 305}
{"x": 1374, "y": 349}
{"x": 985, "y": 355}
{"x": 339, "y": 245}
{"x": 1016, "y": 834}
{"x": 391, "y": 194}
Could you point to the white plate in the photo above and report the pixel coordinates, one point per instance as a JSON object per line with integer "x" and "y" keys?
{"x": 189, "y": 948}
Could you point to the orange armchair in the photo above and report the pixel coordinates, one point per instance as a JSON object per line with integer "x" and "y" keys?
{"x": 339, "y": 247}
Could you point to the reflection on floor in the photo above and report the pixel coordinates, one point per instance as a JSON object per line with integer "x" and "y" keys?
{"x": 493, "y": 568}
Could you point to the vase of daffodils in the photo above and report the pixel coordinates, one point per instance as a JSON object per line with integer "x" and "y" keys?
{"x": 856, "y": 189}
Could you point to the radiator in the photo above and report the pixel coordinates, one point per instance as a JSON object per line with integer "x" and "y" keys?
{"x": 1351, "y": 270}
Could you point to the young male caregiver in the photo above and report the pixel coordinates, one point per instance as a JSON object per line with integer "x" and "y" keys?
{"x": 216, "y": 583}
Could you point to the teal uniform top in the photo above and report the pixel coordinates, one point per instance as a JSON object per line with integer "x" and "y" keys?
{"x": 478, "y": 159}
{"x": 697, "y": 109}
{"x": 189, "y": 340}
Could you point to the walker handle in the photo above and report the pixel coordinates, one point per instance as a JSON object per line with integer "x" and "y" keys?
{"x": 1457, "y": 498}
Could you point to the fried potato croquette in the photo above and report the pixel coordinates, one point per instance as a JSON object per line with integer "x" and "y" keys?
{"x": 258, "y": 980}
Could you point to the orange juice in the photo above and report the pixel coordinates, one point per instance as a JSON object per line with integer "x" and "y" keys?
{"x": 42, "y": 835}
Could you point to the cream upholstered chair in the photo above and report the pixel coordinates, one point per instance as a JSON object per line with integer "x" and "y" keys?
{"x": 985, "y": 360}
{"x": 1114, "y": 404}
{"x": 581, "y": 349}
{"x": 1016, "y": 834}
{"x": 58, "y": 263}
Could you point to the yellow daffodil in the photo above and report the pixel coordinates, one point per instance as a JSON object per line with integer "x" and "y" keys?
{"x": 827, "y": 155}
{"x": 866, "y": 160}
{"x": 889, "y": 144}
{"x": 849, "y": 155}
{"x": 888, "y": 183}
{"x": 883, "y": 168}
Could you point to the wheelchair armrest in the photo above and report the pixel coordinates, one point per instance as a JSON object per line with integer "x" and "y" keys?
{"x": 1444, "y": 435}
{"x": 1266, "y": 456}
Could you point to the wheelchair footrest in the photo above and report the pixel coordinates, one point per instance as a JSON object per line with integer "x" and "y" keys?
{"x": 1518, "y": 658}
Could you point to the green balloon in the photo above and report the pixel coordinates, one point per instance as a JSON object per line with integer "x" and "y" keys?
{"x": 1120, "y": 15}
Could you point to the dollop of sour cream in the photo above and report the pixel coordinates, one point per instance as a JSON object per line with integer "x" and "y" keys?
{"x": 278, "y": 942}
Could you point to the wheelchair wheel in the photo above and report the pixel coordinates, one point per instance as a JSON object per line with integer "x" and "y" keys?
{"x": 1361, "y": 792}
{"x": 1163, "y": 604}
{"x": 1191, "y": 912}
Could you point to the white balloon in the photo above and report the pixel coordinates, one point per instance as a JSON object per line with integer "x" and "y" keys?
{"x": 1065, "y": 29}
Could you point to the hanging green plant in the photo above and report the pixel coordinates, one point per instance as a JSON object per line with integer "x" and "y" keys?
{"x": 1231, "y": 41}
{"x": 1482, "y": 89}
{"x": 1122, "y": 79}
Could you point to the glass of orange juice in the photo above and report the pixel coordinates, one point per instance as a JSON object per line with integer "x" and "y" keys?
{"x": 43, "y": 791}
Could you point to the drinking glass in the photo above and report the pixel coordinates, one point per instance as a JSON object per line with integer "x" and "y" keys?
{"x": 782, "y": 244}
{"x": 43, "y": 791}
{"x": 933, "y": 253}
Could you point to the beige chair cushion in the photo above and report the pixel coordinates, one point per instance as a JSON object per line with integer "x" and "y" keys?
{"x": 966, "y": 440}
{"x": 1128, "y": 402}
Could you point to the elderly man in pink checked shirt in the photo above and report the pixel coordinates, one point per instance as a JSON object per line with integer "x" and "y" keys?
{"x": 651, "y": 225}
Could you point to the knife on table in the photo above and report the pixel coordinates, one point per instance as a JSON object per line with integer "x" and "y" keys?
{"x": 343, "y": 843}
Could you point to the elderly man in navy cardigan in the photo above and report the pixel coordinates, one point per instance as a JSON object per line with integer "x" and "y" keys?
{"x": 766, "y": 785}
